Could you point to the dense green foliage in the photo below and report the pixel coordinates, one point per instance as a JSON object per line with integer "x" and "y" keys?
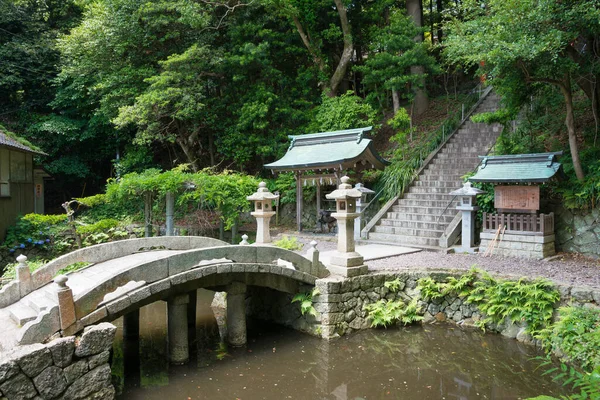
{"x": 522, "y": 301}
{"x": 306, "y": 302}
{"x": 288, "y": 243}
{"x": 575, "y": 335}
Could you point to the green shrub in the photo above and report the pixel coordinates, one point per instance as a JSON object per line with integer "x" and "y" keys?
{"x": 288, "y": 243}
{"x": 576, "y": 335}
{"x": 35, "y": 231}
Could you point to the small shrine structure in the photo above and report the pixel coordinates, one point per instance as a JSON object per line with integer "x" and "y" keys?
{"x": 323, "y": 158}
{"x": 518, "y": 229}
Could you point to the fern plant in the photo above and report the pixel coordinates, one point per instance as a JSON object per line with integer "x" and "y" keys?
{"x": 387, "y": 312}
{"x": 306, "y": 302}
{"x": 531, "y": 302}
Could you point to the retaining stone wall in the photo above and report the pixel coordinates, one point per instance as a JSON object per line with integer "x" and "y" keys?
{"x": 69, "y": 368}
{"x": 578, "y": 231}
{"x": 340, "y": 304}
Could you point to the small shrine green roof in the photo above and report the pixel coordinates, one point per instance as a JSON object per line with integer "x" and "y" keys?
{"x": 520, "y": 168}
{"x": 338, "y": 150}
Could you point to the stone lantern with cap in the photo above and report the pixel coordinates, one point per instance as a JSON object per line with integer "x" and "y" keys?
{"x": 346, "y": 261}
{"x": 467, "y": 204}
{"x": 263, "y": 211}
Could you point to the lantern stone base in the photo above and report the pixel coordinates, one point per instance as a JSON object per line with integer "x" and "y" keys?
{"x": 519, "y": 245}
{"x": 347, "y": 264}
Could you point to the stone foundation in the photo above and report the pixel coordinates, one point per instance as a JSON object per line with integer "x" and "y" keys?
{"x": 69, "y": 368}
{"x": 514, "y": 245}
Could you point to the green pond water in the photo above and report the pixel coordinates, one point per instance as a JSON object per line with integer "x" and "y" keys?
{"x": 430, "y": 362}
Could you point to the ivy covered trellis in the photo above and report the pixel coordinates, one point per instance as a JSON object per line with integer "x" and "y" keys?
{"x": 223, "y": 192}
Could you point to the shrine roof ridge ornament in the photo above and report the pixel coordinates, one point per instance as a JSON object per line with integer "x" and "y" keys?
{"x": 519, "y": 168}
{"x": 330, "y": 150}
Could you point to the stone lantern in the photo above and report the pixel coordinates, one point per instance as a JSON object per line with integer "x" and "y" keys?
{"x": 263, "y": 211}
{"x": 467, "y": 204}
{"x": 346, "y": 261}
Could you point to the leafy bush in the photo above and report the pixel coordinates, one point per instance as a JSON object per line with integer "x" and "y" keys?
{"x": 288, "y": 243}
{"x": 347, "y": 111}
{"x": 576, "y": 335}
{"x": 586, "y": 384}
{"x": 35, "y": 231}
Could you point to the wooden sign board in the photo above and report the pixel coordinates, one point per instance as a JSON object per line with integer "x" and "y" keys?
{"x": 517, "y": 198}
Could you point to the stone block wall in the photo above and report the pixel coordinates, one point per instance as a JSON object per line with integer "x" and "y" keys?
{"x": 69, "y": 368}
{"x": 514, "y": 245}
{"x": 578, "y": 231}
{"x": 341, "y": 302}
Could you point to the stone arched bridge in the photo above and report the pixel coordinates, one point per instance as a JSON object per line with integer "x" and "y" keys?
{"x": 129, "y": 274}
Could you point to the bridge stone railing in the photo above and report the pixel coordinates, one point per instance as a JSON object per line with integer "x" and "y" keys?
{"x": 15, "y": 290}
{"x": 173, "y": 269}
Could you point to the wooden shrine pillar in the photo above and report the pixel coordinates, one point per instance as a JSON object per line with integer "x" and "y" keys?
{"x": 299, "y": 200}
{"x": 318, "y": 201}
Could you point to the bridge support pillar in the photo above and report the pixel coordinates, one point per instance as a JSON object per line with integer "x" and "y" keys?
{"x": 179, "y": 352}
{"x": 131, "y": 325}
{"x": 236, "y": 314}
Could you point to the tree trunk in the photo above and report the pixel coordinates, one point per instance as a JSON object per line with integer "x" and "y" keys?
{"x": 414, "y": 8}
{"x": 346, "y": 57}
{"x": 396, "y": 101}
{"x": 565, "y": 88}
{"x": 439, "y": 9}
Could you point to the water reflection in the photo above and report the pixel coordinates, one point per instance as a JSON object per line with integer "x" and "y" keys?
{"x": 433, "y": 362}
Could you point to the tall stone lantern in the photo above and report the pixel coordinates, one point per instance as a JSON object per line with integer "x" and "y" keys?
{"x": 346, "y": 261}
{"x": 263, "y": 211}
{"x": 468, "y": 206}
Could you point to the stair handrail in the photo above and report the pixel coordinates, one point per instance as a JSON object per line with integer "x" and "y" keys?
{"x": 364, "y": 233}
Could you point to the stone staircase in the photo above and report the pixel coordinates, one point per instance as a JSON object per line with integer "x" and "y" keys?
{"x": 421, "y": 215}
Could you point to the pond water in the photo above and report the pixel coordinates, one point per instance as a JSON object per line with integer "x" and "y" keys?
{"x": 431, "y": 362}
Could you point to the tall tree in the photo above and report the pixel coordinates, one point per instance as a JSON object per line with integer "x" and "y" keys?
{"x": 521, "y": 44}
{"x": 392, "y": 55}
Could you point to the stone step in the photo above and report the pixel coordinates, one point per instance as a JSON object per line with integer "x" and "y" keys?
{"x": 438, "y": 183}
{"x": 430, "y": 191}
{"x": 426, "y": 203}
{"x": 38, "y": 303}
{"x": 443, "y": 177}
{"x": 458, "y": 160}
{"x": 412, "y": 224}
{"x": 423, "y": 210}
{"x": 424, "y": 233}
{"x": 449, "y": 155}
{"x": 21, "y": 313}
{"x": 446, "y": 218}
{"x": 404, "y": 240}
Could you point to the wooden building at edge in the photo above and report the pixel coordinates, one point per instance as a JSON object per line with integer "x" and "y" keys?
{"x": 21, "y": 184}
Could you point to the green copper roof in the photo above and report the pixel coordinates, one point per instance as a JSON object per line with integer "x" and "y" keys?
{"x": 520, "y": 168}
{"x": 330, "y": 150}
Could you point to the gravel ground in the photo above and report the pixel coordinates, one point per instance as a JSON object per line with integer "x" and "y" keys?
{"x": 566, "y": 268}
